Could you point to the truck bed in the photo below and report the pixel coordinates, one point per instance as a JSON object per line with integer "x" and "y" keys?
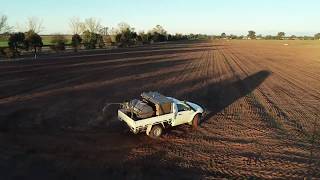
{"x": 141, "y": 125}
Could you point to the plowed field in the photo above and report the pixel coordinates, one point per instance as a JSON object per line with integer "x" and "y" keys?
{"x": 262, "y": 99}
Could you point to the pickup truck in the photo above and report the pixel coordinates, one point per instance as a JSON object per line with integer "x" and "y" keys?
{"x": 182, "y": 112}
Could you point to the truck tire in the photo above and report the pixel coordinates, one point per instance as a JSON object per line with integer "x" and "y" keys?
{"x": 156, "y": 131}
{"x": 196, "y": 121}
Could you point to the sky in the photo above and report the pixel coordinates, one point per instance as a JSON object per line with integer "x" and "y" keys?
{"x": 299, "y": 17}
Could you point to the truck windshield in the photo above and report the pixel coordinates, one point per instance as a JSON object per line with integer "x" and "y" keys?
{"x": 190, "y": 107}
{"x": 182, "y": 107}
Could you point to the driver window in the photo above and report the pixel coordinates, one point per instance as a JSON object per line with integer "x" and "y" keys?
{"x": 182, "y": 107}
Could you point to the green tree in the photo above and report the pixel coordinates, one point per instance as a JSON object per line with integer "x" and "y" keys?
{"x": 251, "y": 34}
{"x": 16, "y": 41}
{"x": 159, "y": 29}
{"x": 143, "y": 37}
{"x": 269, "y": 37}
{"x": 223, "y": 35}
{"x": 125, "y": 35}
{"x": 158, "y": 34}
{"x": 280, "y": 35}
{"x": 317, "y": 36}
{"x": 89, "y": 39}
{"x": 100, "y": 41}
{"x": 259, "y": 36}
{"x": 58, "y": 42}
{"x": 293, "y": 37}
{"x": 33, "y": 41}
{"x": 76, "y": 42}
{"x": 233, "y": 36}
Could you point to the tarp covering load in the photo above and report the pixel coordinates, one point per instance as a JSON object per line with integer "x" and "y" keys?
{"x": 152, "y": 104}
{"x": 162, "y": 103}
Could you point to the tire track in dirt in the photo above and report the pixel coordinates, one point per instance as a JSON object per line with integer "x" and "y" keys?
{"x": 276, "y": 110}
{"x": 254, "y": 98}
{"x": 259, "y": 90}
{"x": 212, "y": 139}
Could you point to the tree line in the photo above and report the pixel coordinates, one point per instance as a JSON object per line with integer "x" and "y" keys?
{"x": 89, "y": 34}
{"x": 279, "y": 36}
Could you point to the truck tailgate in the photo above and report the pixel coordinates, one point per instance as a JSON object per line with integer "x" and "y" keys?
{"x": 123, "y": 117}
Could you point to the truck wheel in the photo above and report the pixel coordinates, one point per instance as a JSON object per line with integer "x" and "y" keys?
{"x": 195, "y": 121}
{"x": 156, "y": 131}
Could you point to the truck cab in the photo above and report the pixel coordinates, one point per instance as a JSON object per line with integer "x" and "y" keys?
{"x": 184, "y": 111}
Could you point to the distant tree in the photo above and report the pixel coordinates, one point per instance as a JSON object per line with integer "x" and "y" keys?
{"x": 171, "y": 37}
{"x": 158, "y": 34}
{"x": 269, "y": 37}
{"x": 280, "y": 35}
{"x": 4, "y": 26}
{"x": 251, "y": 34}
{"x": 34, "y": 24}
{"x": 259, "y": 36}
{"x": 317, "y": 36}
{"x": 143, "y": 37}
{"x": 125, "y": 35}
{"x": 159, "y": 29}
{"x": 16, "y": 41}
{"x": 58, "y": 42}
{"x": 76, "y": 26}
{"x": 89, "y": 39}
{"x": 223, "y": 35}
{"x": 232, "y": 36}
{"x": 307, "y": 38}
{"x": 113, "y": 35}
{"x": 124, "y": 27}
{"x": 76, "y": 41}
{"x": 104, "y": 31}
{"x": 179, "y": 36}
{"x": 100, "y": 41}
{"x": 293, "y": 37}
{"x": 156, "y": 37}
{"x": 198, "y": 36}
{"x": 33, "y": 41}
{"x": 240, "y": 37}
{"x": 92, "y": 25}
{"x": 108, "y": 40}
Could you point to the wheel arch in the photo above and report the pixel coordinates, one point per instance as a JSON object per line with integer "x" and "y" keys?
{"x": 149, "y": 127}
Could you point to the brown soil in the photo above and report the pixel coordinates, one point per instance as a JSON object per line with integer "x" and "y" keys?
{"x": 262, "y": 100}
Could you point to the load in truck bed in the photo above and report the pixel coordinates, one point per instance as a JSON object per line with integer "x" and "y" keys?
{"x": 162, "y": 103}
{"x": 152, "y": 104}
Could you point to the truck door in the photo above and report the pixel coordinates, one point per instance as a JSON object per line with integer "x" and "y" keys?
{"x": 183, "y": 114}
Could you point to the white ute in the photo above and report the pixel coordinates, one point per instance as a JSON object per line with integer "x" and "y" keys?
{"x": 156, "y": 112}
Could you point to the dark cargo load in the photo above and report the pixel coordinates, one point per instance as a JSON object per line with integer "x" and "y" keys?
{"x": 140, "y": 109}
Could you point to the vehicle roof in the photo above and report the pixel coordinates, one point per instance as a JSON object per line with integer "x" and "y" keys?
{"x": 175, "y": 100}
